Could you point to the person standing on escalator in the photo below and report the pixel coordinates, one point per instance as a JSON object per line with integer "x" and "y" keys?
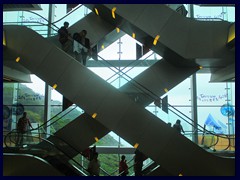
{"x": 94, "y": 166}
{"x": 22, "y": 128}
{"x": 138, "y": 162}
{"x": 63, "y": 37}
{"x": 123, "y": 167}
{"x": 81, "y": 47}
{"x": 178, "y": 127}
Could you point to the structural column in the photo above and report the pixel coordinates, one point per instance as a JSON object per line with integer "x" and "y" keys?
{"x": 14, "y": 102}
{"x": 193, "y": 93}
{"x": 48, "y": 89}
{"x": 194, "y": 108}
{"x": 47, "y": 108}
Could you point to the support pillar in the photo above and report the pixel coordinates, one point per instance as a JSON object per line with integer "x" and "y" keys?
{"x": 194, "y": 108}
{"x": 47, "y": 108}
{"x": 48, "y": 89}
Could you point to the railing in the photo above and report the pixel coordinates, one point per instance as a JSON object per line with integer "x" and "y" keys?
{"x": 52, "y": 25}
{"x": 31, "y": 144}
{"x": 143, "y": 90}
{"x": 209, "y": 19}
{"x": 63, "y": 117}
{"x": 178, "y": 115}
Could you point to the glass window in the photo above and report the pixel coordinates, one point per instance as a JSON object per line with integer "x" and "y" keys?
{"x": 180, "y": 94}
{"x": 216, "y": 105}
{"x": 221, "y": 13}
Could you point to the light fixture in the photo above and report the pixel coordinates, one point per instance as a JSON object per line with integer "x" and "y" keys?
{"x": 94, "y": 115}
{"x": 136, "y": 145}
{"x": 96, "y": 11}
{"x": 155, "y": 40}
{"x": 113, "y": 12}
{"x": 118, "y": 30}
{"x": 133, "y": 35}
{"x": 17, "y": 59}
{"x": 102, "y": 46}
{"x": 200, "y": 67}
{"x": 96, "y": 139}
{"x": 4, "y": 39}
{"x": 166, "y": 90}
{"x": 231, "y": 33}
{"x": 54, "y": 86}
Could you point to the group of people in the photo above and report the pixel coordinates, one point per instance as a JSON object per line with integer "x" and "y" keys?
{"x": 91, "y": 154}
{"x": 24, "y": 124}
{"x": 81, "y": 44}
{"x": 94, "y": 163}
{"x": 138, "y": 164}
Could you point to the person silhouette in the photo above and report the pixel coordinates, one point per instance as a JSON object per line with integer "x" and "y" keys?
{"x": 178, "y": 126}
{"x": 81, "y": 47}
{"x": 138, "y": 162}
{"x": 123, "y": 167}
{"x": 22, "y": 127}
{"x": 63, "y": 37}
{"x": 94, "y": 165}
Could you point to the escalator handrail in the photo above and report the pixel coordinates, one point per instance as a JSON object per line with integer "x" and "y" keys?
{"x": 198, "y": 125}
{"x": 53, "y": 23}
{"x": 70, "y": 12}
{"x": 150, "y": 93}
{"x": 54, "y": 117}
{"x": 59, "y": 138}
{"x": 51, "y": 143}
{"x": 139, "y": 61}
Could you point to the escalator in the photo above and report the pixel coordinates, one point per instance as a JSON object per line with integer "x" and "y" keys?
{"x": 184, "y": 42}
{"x": 71, "y": 131}
{"x": 77, "y": 129}
{"x": 99, "y": 31}
{"x": 37, "y": 159}
{"x": 33, "y": 166}
{"x": 157, "y": 78}
{"x": 77, "y": 135}
{"x": 114, "y": 109}
{"x": 57, "y": 149}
